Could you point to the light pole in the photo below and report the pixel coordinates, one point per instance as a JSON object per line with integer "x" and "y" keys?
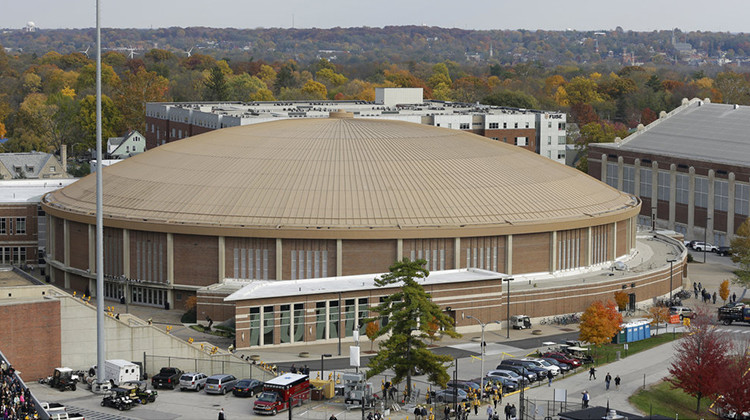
{"x": 321, "y": 364}
{"x": 671, "y": 262}
{"x": 508, "y": 279}
{"x": 481, "y": 353}
{"x": 705, "y": 238}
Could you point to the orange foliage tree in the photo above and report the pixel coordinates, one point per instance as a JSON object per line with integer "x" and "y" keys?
{"x": 658, "y": 314}
{"x": 621, "y": 298}
{"x": 724, "y": 290}
{"x": 371, "y": 331}
{"x": 600, "y": 322}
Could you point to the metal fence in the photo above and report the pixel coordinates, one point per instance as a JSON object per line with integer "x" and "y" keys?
{"x": 547, "y": 409}
{"x": 211, "y": 365}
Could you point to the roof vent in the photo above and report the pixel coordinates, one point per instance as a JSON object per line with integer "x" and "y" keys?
{"x": 340, "y": 114}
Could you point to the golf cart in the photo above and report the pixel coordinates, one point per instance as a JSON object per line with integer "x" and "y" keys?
{"x": 139, "y": 391}
{"x": 63, "y": 378}
{"x": 118, "y": 398}
{"x": 580, "y": 353}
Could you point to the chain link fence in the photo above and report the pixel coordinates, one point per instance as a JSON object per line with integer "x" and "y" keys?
{"x": 210, "y": 365}
{"x": 547, "y": 409}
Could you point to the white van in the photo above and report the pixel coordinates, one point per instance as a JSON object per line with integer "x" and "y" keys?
{"x": 116, "y": 372}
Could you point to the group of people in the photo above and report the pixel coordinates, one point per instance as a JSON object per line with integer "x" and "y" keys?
{"x": 15, "y": 399}
{"x": 707, "y": 296}
{"x": 302, "y": 371}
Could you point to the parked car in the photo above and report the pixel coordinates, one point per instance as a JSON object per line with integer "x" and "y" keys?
{"x": 520, "y": 370}
{"x": 564, "y": 367}
{"x": 220, "y": 384}
{"x": 682, "y": 311}
{"x": 543, "y": 364}
{"x": 541, "y": 373}
{"x": 701, "y": 246}
{"x": 724, "y": 251}
{"x": 247, "y": 388}
{"x": 508, "y": 374}
{"x": 465, "y": 385}
{"x": 193, "y": 380}
{"x": 167, "y": 377}
{"x": 564, "y": 358}
{"x": 450, "y": 395}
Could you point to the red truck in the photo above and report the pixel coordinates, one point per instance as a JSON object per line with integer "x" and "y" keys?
{"x": 280, "y": 392}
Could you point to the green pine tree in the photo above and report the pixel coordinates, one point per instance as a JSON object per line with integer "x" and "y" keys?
{"x": 411, "y": 320}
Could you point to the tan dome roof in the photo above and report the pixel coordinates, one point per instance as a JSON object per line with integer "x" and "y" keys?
{"x": 341, "y": 174}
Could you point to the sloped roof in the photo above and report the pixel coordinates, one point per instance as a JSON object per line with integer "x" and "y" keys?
{"x": 711, "y": 132}
{"x": 27, "y": 160}
{"x": 343, "y": 174}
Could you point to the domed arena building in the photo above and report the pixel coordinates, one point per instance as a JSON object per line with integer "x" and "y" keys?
{"x": 284, "y": 225}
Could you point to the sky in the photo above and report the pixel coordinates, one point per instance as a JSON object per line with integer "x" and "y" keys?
{"x": 636, "y": 15}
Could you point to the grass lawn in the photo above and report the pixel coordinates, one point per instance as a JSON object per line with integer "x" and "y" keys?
{"x": 607, "y": 353}
{"x": 661, "y": 399}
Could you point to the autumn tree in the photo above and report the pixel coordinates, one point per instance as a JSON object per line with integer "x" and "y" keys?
{"x": 621, "y": 299}
{"x": 371, "y": 331}
{"x": 734, "y": 88}
{"x": 658, "y": 315}
{"x": 700, "y": 359}
{"x": 601, "y": 132}
{"x": 513, "y": 99}
{"x": 600, "y": 322}
{"x": 735, "y": 380}
{"x": 409, "y": 313}
{"x": 111, "y": 120}
{"x": 216, "y": 87}
{"x": 741, "y": 254}
{"x": 724, "y": 290}
{"x": 136, "y": 89}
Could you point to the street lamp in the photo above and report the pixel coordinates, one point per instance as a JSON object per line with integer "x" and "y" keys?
{"x": 705, "y": 238}
{"x": 508, "y": 279}
{"x": 671, "y": 262}
{"x": 481, "y": 352}
{"x": 321, "y": 364}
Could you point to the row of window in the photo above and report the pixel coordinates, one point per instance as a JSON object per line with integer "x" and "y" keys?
{"x": 682, "y": 188}
{"x": 6, "y": 226}
{"x": 330, "y": 321}
{"x": 138, "y": 294}
{"x": 13, "y": 255}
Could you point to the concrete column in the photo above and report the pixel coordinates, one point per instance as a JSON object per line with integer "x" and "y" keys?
{"x": 92, "y": 248}
{"x": 260, "y": 334}
{"x": 328, "y": 321}
{"x": 711, "y": 206}
{"x": 619, "y": 172}
{"x": 553, "y": 252}
{"x": 614, "y": 240}
{"x": 730, "y": 208}
{"x": 66, "y": 252}
{"x": 672, "y": 194}
{"x": 339, "y": 258}
{"x": 399, "y": 249}
{"x": 279, "y": 259}
{"x": 126, "y": 254}
{"x": 509, "y": 255}
{"x": 457, "y": 253}
{"x": 589, "y": 247}
{"x": 50, "y": 237}
{"x": 170, "y": 258}
{"x": 691, "y": 203}
{"x": 655, "y": 185}
{"x": 604, "y": 168}
{"x": 637, "y": 181}
{"x": 291, "y": 322}
{"x": 221, "y": 260}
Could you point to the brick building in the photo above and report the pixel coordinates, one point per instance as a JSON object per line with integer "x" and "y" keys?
{"x": 297, "y": 200}
{"x": 690, "y": 168}
{"x": 22, "y": 222}
{"x": 543, "y": 132}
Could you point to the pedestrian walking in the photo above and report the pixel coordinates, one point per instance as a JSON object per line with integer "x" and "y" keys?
{"x": 714, "y": 298}
{"x": 607, "y": 380}
{"x": 592, "y": 373}
{"x": 495, "y": 399}
{"x": 418, "y": 413}
{"x": 423, "y": 412}
{"x": 700, "y": 286}
{"x": 617, "y": 382}
{"x": 585, "y": 399}
{"x": 222, "y": 416}
{"x": 490, "y": 412}
{"x": 695, "y": 286}
{"x": 734, "y": 297}
{"x": 507, "y": 411}
{"x": 549, "y": 378}
{"x": 447, "y": 412}
{"x": 476, "y": 406}
{"x": 512, "y": 411}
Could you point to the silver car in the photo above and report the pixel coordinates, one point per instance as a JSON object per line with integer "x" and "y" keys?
{"x": 220, "y": 384}
{"x": 193, "y": 380}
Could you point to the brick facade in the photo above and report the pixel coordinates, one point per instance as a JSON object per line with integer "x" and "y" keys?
{"x": 31, "y": 343}
{"x": 18, "y": 233}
